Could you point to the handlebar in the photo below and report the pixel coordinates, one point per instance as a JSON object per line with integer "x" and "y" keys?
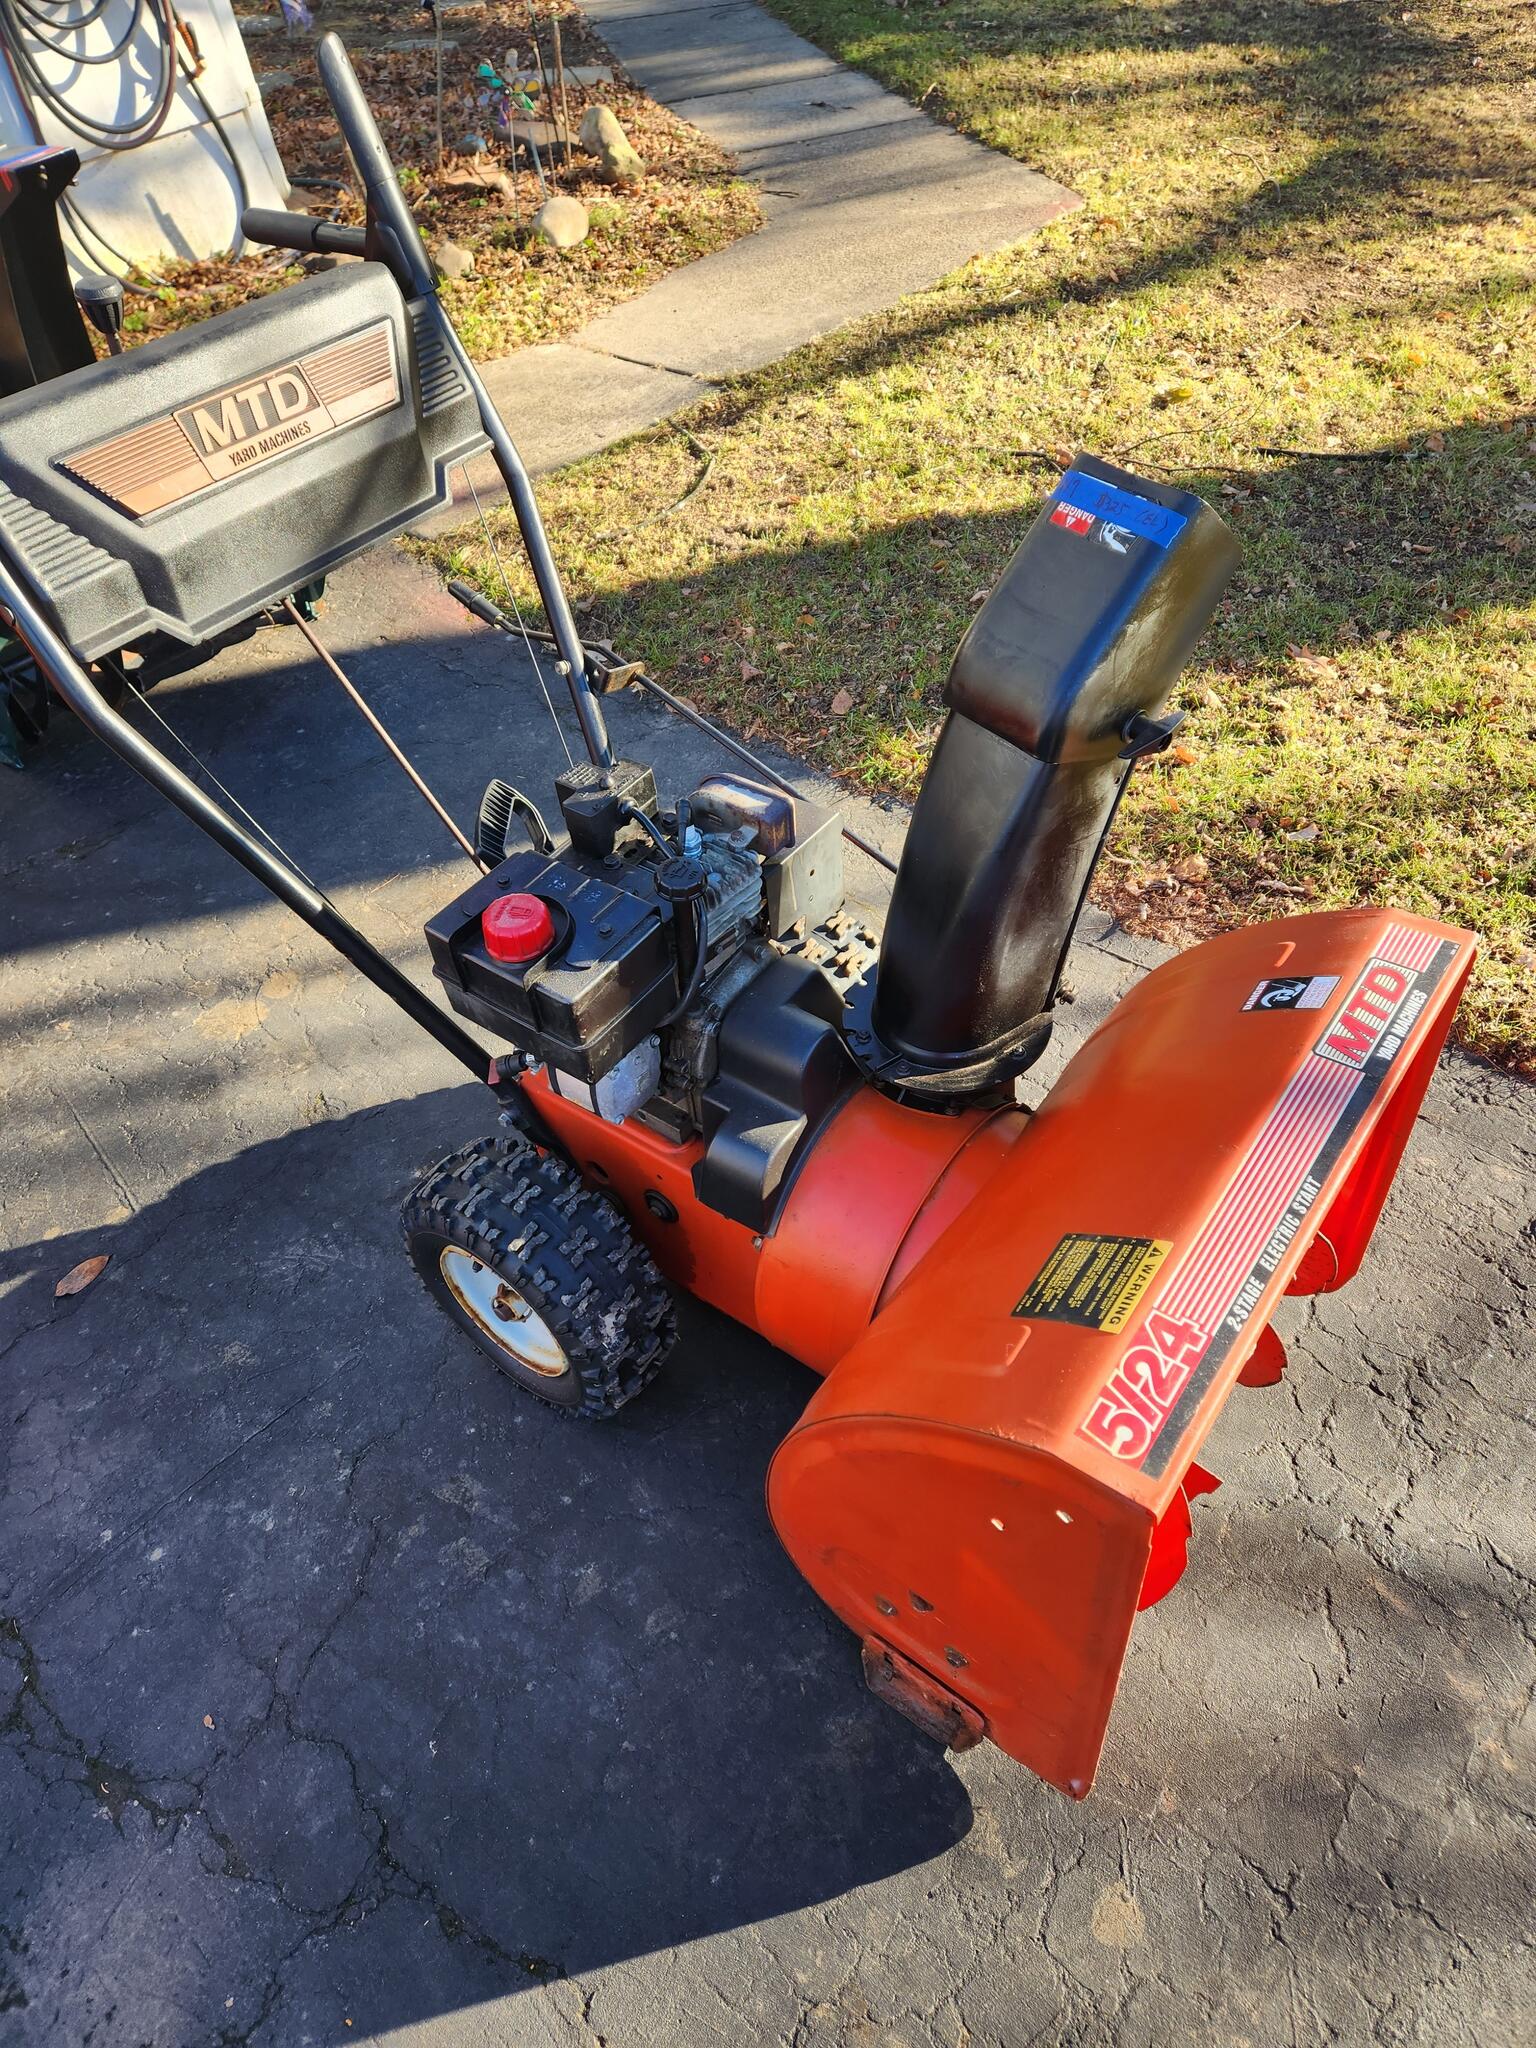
{"x": 393, "y": 238}
{"x": 303, "y": 232}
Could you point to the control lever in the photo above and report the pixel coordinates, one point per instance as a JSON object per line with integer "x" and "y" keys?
{"x": 100, "y": 299}
{"x": 1143, "y": 735}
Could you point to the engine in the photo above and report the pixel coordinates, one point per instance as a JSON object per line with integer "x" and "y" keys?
{"x": 617, "y": 957}
{"x": 695, "y": 970}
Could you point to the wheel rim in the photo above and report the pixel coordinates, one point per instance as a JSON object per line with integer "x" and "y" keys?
{"x": 501, "y": 1315}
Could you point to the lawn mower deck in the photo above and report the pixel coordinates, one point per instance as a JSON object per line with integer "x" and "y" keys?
{"x": 708, "y": 1075}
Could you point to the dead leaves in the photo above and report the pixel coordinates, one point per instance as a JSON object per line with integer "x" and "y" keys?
{"x": 1317, "y": 667}
{"x": 78, "y": 1278}
{"x": 842, "y": 704}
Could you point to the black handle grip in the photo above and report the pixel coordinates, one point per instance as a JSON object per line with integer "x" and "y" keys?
{"x": 301, "y": 231}
{"x": 482, "y": 607}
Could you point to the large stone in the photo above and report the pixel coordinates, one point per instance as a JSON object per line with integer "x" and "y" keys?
{"x": 602, "y": 136}
{"x": 562, "y": 221}
{"x": 527, "y": 132}
{"x": 453, "y": 261}
{"x": 482, "y": 174}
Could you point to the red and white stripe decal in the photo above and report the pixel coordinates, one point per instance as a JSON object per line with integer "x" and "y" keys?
{"x": 1129, "y": 1410}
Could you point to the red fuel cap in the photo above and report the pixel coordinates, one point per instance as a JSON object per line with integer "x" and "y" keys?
{"x": 517, "y": 928}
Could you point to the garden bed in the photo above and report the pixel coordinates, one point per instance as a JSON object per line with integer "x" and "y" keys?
{"x": 522, "y": 290}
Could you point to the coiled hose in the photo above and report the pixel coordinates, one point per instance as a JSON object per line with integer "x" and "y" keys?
{"x": 37, "y": 29}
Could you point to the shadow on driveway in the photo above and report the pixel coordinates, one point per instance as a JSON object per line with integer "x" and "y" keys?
{"x": 503, "y": 1696}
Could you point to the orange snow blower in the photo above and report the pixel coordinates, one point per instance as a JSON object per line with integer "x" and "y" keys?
{"x": 711, "y": 1077}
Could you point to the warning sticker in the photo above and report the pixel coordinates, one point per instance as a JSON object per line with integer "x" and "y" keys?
{"x": 1126, "y": 511}
{"x": 1293, "y": 992}
{"x": 1093, "y": 1281}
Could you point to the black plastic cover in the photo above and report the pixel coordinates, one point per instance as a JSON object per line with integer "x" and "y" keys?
{"x": 1092, "y": 620}
{"x": 41, "y": 332}
{"x": 606, "y": 982}
{"x": 185, "y": 483}
{"x": 1086, "y": 632}
{"x": 782, "y": 1067}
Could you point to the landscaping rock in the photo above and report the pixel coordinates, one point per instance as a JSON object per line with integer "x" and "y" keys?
{"x": 472, "y": 145}
{"x": 453, "y": 261}
{"x": 269, "y": 82}
{"x": 603, "y": 137}
{"x": 488, "y": 177}
{"x": 562, "y": 221}
{"x": 545, "y": 136}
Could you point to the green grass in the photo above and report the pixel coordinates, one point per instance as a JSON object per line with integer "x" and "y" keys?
{"x": 1306, "y": 226}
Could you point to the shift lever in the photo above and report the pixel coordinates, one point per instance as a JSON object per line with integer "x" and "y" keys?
{"x": 100, "y": 299}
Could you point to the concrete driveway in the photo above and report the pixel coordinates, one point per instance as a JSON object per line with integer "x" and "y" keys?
{"x": 345, "y": 1695}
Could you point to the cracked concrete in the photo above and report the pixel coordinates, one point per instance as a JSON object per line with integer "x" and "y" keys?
{"x": 346, "y": 1696}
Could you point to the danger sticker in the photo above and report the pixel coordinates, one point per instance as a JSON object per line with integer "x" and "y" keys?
{"x": 1093, "y": 1281}
{"x": 1072, "y": 518}
{"x": 1293, "y": 992}
{"x": 1129, "y": 514}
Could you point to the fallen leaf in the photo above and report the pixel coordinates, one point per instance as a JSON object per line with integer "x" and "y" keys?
{"x": 1195, "y": 869}
{"x": 748, "y": 672}
{"x": 78, "y": 1278}
{"x": 1304, "y": 836}
{"x": 1183, "y": 755}
{"x": 1435, "y": 443}
{"x": 978, "y": 597}
{"x": 842, "y": 704}
{"x": 207, "y": 1720}
{"x": 1315, "y": 665}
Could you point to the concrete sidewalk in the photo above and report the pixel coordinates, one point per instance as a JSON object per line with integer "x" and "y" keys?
{"x": 346, "y": 1695}
{"x": 864, "y": 199}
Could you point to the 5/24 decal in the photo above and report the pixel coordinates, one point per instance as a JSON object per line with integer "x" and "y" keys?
{"x": 1139, "y": 1395}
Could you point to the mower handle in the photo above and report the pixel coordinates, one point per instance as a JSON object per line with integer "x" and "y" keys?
{"x": 302, "y": 231}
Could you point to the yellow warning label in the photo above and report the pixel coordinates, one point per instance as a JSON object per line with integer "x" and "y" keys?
{"x": 1093, "y": 1281}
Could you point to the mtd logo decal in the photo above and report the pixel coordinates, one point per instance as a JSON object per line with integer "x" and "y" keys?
{"x": 249, "y": 422}
{"x": 1367, "y": 1015}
